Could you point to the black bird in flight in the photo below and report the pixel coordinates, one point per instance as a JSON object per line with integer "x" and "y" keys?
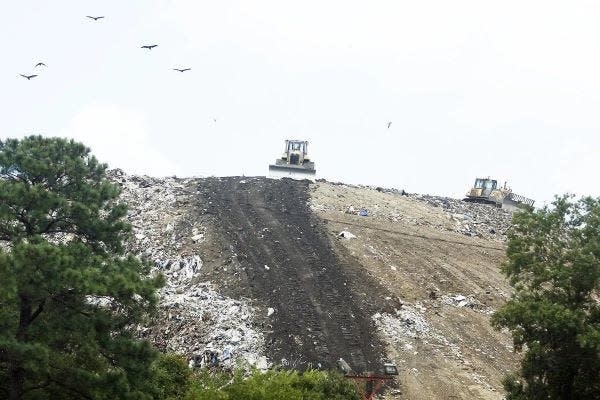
{"x": 389, "y": 124}
{"x": 94, "y": 18}
{"x": 40, "y": 64}
{"x": 181, "y": 70}
{"x": 149, "y": 46}
{"x": 28, "y": 76}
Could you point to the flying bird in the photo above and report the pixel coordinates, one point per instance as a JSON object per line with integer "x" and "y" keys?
{"x": 40, "y": 64}
{"x": 389, "y": 124}
{"x": 28, "y": 76}
{"x": 181, "y": 70}
{"x": 149, "y": 46}
{"x": 94, "y": 18}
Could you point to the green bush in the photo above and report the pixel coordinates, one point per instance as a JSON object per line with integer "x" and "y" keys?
{"x": 175, "y": 383}
{"x": 171, "y": 377}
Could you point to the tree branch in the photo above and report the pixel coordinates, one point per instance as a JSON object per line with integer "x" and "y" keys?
{"x": 52, "y": 223}
{"x": 63, "y": 385}
{"x": 109, "y": 358}
{"x": 38, "y": 311}
{"x": 4, "y": 355}
{"x": 87, "y": 315}
{"x": 36, "y": 387}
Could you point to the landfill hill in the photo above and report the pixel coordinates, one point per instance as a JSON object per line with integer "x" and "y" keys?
{"x": 289, "y": 273}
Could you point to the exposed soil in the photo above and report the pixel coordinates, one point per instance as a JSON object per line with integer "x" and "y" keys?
{"x": 321, "y": 299}
{"x": 445, "y": 349}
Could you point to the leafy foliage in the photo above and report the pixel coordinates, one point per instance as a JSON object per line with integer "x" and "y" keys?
{"x": 69, "y": 297}
{"x": 271, "y": 385}
{"x": 554, "y": 314}
{"x": 171, "y": 377}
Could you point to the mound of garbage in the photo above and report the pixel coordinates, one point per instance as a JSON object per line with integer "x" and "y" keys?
{"x": 193, "y": 316}
{"x": 469, "y": 219}
{"x": 472, "y": 219}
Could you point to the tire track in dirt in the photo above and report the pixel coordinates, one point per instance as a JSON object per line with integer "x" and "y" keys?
{"x": 322, "y": 299}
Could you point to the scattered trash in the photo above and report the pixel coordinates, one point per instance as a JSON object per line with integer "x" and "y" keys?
{"x": 472, "y": 219}
{"x": 198, "y": 238}
{"x": 461, "y": 301}
{"x": 270, "y": 311}
{"x": 469, "y": 219}
{"x": 409, "y": 326}
{"x": 193, "y": 317}
{"x": 346, "y": 235}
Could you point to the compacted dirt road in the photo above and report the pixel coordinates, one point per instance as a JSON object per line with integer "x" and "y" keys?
{"x": 318, "y": 300}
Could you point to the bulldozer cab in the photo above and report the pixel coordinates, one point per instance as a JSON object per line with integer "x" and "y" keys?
{"x": 296, "y": 146}
{"x": 486, "y": 186}
{"x": 296, "y": 152}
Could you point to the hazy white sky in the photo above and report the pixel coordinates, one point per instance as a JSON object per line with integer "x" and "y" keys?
{"x": 508, "y": 89}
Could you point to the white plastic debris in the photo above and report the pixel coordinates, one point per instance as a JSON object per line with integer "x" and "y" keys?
{"x": 198, "y": 238}
{"x": 346, "y": 235}
{"x": 270, "y": 311}
{"x": 261, "y": 364}
{"x": 192, "y": 315}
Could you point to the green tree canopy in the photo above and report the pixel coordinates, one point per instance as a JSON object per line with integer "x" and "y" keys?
{"x": 69, "y": 297}
{"x": 554, "y": 314}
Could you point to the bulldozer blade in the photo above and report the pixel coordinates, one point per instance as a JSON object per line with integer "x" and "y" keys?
{"x": 515, "y": 202}
{"x": 291, "y": 171}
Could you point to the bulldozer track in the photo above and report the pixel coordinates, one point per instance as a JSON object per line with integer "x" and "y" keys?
{"x": 318, "y": 316}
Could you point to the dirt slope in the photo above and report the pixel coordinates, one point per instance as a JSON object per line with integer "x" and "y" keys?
{"x": 316, "y": 292}
{"x": 449, "y": 284}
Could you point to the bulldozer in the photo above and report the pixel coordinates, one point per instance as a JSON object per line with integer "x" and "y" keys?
{"x": 487, "y": 191}
{"x": 294, "y": 163}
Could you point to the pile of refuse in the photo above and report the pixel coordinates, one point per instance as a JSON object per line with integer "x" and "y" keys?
{"x": 472, "y": 219}
{"x": 199, "y": 319}
{"x": 469, "y": 219}
{"x": 193, "y": 317}
{"x": 407, "y": 323}
{"x": 461, "y": 301}
{"x": 408, "y": 327}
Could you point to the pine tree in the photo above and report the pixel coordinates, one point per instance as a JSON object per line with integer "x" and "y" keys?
{"x": 554, "y": 314}
{"x": 70, "y": 298}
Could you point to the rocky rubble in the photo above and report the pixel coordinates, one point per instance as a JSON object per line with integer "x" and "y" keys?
{"x": 193, "y": 316}
{"x": 472, "y": 219}
{"x": 408, "y": 327}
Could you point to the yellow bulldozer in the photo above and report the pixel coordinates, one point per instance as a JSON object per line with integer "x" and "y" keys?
{"x": 487, "y": 191}
{"x": 294, "y": 163}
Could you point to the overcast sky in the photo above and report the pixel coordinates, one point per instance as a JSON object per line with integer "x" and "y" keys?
{"x": 507, "y": 89}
